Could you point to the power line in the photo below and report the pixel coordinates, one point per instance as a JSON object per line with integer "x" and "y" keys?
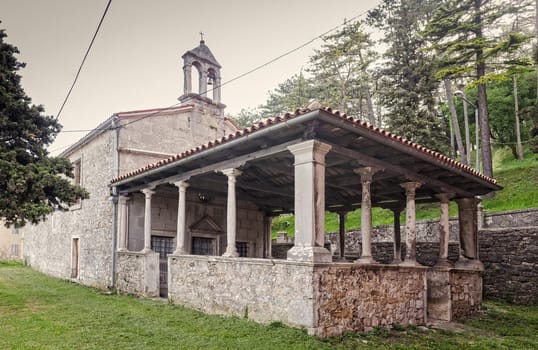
{"x": 226, "y": 82}
{"x": 84, "y": 59}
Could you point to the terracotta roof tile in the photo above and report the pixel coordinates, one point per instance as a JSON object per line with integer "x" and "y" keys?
{"x": 279, "y": 119}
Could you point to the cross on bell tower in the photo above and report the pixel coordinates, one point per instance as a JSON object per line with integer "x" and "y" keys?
{"x": 208, "y": 69}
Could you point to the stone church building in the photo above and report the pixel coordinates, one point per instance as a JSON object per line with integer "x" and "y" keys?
{"x": 181, "y": 204}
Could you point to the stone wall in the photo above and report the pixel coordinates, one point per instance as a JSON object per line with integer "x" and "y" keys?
{"x": 264, "y": 290}
{"x": 514, "y": 218}
{"x": 427, "y": 253}
{"x": 137, "y": 273}
{"x": 427, "y": 231}
{"x": 169, "y": 132}
{"x": 355, "y": 298}
{"x": 466, "y": 293}
{"x": 48, "y": 246}
{"x": 510, "y": 258}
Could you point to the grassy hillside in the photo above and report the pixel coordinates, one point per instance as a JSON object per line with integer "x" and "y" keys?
{"x": 519, "y": 179}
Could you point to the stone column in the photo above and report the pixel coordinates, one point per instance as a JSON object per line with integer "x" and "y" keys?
{"x": 397, "y": 236}
{"x": 342, "y": 231}
{"x": 181, "y": 214}
{"x": 366, "y": 174}
{"x": 148, "y": 192}
{"x": 216, "y": 87}
{"x": 187, "y": 83}
{"x": 267, "y": 235}
{"x": 410, "y": 224}
{"x": 309, "y": 178}
{"x": 444, "y": 230}
{"x": 231, "y": 213}
{"x": 203, "y": 83}
{"x": 467, "y": 213}
{"x": 123, "y": 219}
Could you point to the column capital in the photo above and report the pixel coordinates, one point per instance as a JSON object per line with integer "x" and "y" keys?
{"x": 366, "y": 173}
{"x": 231, "y": 172}
{"x": 310, "y": 147}
{"x": 181, "y": 185}
{"x": 148, "y": 192}
{"x": 123, "y": 199}
{"x": 444, "y": 197}
{"x": 468, "y": 203}
{"x": 411, "y": 186}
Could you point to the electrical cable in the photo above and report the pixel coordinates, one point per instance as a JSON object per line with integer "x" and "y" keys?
{"x": 83, "y": 60}
{"x": 226, "y": 82}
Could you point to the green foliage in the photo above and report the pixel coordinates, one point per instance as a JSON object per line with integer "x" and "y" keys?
{"x": 464, "y": 34}
{"x": 40, "y": 312}
{"x": 339, "y": 77}
{"x": 407, "y": 82}
{"x": 31, "y": 182}
{"x": 247, "y": 117}
{"x": 340, "y": 71}
{"x": 293, "y": 93}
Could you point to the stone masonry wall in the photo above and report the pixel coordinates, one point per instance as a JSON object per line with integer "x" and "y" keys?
{"x": 48, "y": 245}
{"x": 170, "y": 132}
{"x": 510, "y": 257}
{"x": 514, "y": 218}
{"x": 466, "y": 292}
{"x": 355, "y": 298}
{"x": 427, "y": 253}
{"x": 130, "y": 273}
{"x": 428, "y": 230}
{"x": 265, "y": 290}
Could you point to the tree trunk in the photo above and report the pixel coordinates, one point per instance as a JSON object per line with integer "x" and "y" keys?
{"x": 455, "y": 122}
{"x": 518, "y": 132}
{"x": 485, "y": 134}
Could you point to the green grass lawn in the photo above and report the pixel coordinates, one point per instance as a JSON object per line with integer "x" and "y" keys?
{"x": 39, "y": 312}
{"x": 519, "y": 179}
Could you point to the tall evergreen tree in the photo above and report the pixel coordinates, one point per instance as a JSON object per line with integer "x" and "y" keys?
{"x": 465, "y": 38}
{"x": 293, "y": 93}
{"x": 408, "y": 85}
{"x": 341, "y": 71}
{"x": 32, "y": 184}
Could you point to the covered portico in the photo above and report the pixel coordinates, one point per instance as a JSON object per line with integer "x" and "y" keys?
{"x": 306, "y": 163}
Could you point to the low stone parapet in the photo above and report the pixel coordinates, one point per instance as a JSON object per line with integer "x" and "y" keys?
{"x": 356, "y": 297}
{"x": 326, "y": 299}
{"x": 138, "y": 273}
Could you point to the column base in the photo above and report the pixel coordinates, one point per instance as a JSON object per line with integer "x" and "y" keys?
{"x": 365, "y": 260}
{"x": 122, "y": 250}
{"x": 396, "y": 262}
{"x": 469, "y": 264}
{"x": 410, "y": 262}
{"x": 310, "y": 254}
{"x": 180, "y": 252}
{"x": 231, "y": 253}
{"x": 146, "y": 251}
{"x": 443, "y": 264}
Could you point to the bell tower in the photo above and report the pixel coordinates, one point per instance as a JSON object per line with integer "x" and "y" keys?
{"x": 209, "y": 80}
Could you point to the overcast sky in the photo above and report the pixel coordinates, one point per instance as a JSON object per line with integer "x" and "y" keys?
{"x": 136, "y": 61}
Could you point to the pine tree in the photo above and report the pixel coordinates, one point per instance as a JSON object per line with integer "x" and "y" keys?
{"x": 32, "y": 184}
{"x": 407, "y": 82}
{"x": 340, "y": 71}
{"x": 465, "y": 38}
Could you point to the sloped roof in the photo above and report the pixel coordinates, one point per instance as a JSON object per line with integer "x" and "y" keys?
{"x": 267, "y": 179}
{"x": 203, "y": 53}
